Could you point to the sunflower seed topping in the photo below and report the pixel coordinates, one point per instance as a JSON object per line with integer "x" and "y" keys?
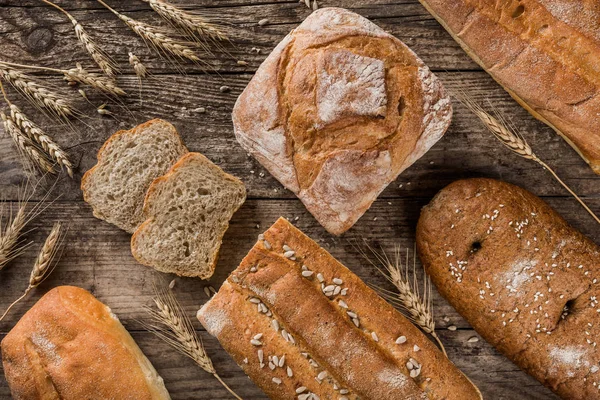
{"x": 401, "y": 339}
{"x": 337, "y": 281}
{"x": 307, "y": 274}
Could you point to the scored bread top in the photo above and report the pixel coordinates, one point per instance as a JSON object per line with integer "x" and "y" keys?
{"x": 70, "y": 346}
{"x": 187, "y": 212}
{"x": 337, "y": 111}
{"x": 545, "y": 53}
{"x": 127, "y": 164}
{"x": 521, "y": 276}
{"x": 290, "y": 300}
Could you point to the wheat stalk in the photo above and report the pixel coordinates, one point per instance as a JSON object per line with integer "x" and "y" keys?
{"x": 507, "y": 134}
{"x": 44, "y": 263}
{"x": 170, "y": 323}
{"x": 408, "y": 297}
{"x": 157, "y": 37}
{"x": 41, "y": 138}
{"x": 40, "y": 96}
{"x": 104, "y": 61}
{"x": 77, "y": 75}
{"x": 192, "y": 25}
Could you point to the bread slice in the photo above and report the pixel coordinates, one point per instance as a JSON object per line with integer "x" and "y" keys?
{"x": 127, "y": 164}
{"x": 188, "y": 212}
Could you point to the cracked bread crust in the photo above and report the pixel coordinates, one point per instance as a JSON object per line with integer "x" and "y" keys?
{"x": 545, "y": 53}
{"x": 510, "y": 265}
{"x": 290, "y": 297}
{"x": 337, "y": 111}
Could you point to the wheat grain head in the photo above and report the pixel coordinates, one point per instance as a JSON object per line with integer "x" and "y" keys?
{"x": 97, "y": 81}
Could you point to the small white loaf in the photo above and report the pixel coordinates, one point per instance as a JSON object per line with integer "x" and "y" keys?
{"x": 337, "y": 111}
{"x": 188, "y": 211}
{"x": 127, "y": 164}
{"x": 70, "y": 346}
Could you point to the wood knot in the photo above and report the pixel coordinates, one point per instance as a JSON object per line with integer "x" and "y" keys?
{"x": 39, "y": 40}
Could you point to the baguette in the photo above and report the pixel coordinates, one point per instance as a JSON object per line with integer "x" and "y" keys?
{"x": 70, "y": 346}
{"x": 521, "y": 276}
{"x": 545, "y": 53}
{"x": 300, "y": 338}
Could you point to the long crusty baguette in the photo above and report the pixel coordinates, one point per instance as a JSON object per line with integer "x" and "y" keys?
{"x": 521, "y": 276}
{"x": 187, "y": 212}
{"x": 127, "y": 164}
{"x": 303, "y": 326}
{"x": 70, "y": 346}
{"x": 545, "y": 53}
{"x": 337, "y": 111}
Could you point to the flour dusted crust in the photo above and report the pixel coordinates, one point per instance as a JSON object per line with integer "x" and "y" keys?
{"x": 303, "y": 326}
{"x": 337, "y": 111}
{"x": 545, "y": 53}
{"x": 70, "y": 346}
{"x": 521, "y": 276}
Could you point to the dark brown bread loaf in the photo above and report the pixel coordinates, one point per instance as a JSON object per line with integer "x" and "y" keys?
{"x": 545, "y": 53}
{"x": 521, "y": 276}
{"x": 303, "y": 326}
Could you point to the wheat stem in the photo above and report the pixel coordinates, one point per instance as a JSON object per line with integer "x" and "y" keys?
{"x": 15, "y": 302}
{"x": 102, "y": 59}
{"x": 171, "y": 324}
{"x": 156, "y": 37}
{"x": 508, "y": 135}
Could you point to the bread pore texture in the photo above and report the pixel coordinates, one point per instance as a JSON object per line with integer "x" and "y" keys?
{"x": 188, "y": 211}
{"x": 337, "y": 111}
{"x": 127, "y": 164}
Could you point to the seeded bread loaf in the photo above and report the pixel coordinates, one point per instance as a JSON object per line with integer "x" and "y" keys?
{"x": 337, "y": 111}
{"x": 127, "y": 164}
{"x": 521, "y": 276}
{"x": 545, "y": 53}
{"x": 70, "y": 346}
{"x": 188, "y": 211}
{"x": 302, "y": 326}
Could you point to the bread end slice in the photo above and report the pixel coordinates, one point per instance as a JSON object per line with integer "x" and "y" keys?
{"x": 188, "y": 211}
{"x": 127, "y": 164}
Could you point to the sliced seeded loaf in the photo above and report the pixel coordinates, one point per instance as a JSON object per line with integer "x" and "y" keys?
{"x": 127, "y": 164}
{"x": 303, "y": 326}
{"x": 188, "y": 211}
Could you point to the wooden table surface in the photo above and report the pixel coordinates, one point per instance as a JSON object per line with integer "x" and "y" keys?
{"x": 97, "y": 255}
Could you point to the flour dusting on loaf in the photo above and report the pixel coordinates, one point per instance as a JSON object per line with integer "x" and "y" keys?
{"x": 337, "y": 111}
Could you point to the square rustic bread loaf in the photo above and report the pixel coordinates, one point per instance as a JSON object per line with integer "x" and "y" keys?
{"x": 545, "y": 53}
{"x": 521, "y": 276}
{"x": 302, "y": 326}
{"x": 337, "y": 111}
{"x": 187, "y": 212}
{"x": 127, "y": 164}
{"x": 70, "y": 346}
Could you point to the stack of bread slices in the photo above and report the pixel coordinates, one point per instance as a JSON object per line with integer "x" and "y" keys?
{"x": 176, "y": 203}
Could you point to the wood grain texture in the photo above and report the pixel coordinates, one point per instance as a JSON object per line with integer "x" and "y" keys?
{"x": 97, "y": 256}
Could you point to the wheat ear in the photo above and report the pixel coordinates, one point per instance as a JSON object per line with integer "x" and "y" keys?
{"x": 26, "y": 147}
{"x": 140, "y": 69}
{"x": 41, "y": 138}
{"x": 77, "y": 75}
{"x": 104, "y": 61}
{"x": 507, "y": 134}
{"x": 194, "y": 26}
{"x": 40, "y": 96}
{"x": 408, "y": 297}
{"x": 44, "y": 263}
{"x": 157, "y": 37}
{"x": 170, "y": 323}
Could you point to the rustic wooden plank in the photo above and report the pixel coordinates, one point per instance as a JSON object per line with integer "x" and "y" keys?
{"x": 466, "y": 150}
{"x": 40, "y": 35}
